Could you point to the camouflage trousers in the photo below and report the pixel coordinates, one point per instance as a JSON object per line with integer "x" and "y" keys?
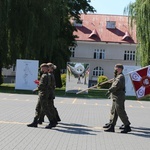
{"x": 52, "y": 109}
{"x": 42, "y": 107}
{"x": 119, "y": 110}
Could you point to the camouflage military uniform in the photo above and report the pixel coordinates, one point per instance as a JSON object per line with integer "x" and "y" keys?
{"x": 42, "y": 105}
{"x": 43, "y": 89}
{"x": 112, "y": 110}
{"x": 51, "y": 98}
{"x": 117, "y": 91}
{"x": 118, "y": 95}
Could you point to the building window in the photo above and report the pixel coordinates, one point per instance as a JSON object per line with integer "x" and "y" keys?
{"x": 99, "y": 54}
{"x": 98, "y": 71}
{"x": 110, "y": 24}
{"x": 72, "y": 50}
{"x": 129, "y": 55}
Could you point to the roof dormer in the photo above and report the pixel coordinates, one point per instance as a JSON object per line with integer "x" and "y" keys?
{"x": 110, "y": 24}
{"x": 94, "y": 32}
{"x": 126, "y": 36}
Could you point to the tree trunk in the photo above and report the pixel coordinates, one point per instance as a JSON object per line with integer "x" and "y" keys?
{"x": 58, "y": 78}
{"x": 1, "y": 76}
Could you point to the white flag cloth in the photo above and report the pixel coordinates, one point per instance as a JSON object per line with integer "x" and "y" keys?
{"x": 141, "y": 81}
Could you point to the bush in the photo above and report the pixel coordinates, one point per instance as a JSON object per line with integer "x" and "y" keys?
{"x": 102, "y": 79}
{"x": 63, "y": 80}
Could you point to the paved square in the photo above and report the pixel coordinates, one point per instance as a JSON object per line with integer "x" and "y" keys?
{"x": 80, "y": 128}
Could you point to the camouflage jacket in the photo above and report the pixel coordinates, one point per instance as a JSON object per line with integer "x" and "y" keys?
{"x": 118, "y": 85}
{"x": 52, "y": 86}
{"x": 44, "y": 84}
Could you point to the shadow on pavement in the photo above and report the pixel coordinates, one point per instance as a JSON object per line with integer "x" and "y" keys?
{"x": 141, "y": 131}
{"x": 75, "y": 129}
{"x": 73, "y": 124}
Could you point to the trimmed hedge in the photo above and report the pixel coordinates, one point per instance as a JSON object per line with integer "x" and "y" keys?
{"x": 63, "y": 79}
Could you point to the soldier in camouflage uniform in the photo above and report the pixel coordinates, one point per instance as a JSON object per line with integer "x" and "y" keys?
{"x": 51, "y": 97}
{"x": 112, "y": 110}
{"x": 52, "y": 91}
{"x": 42, "y": 105}
{"x": 117, "y": 91}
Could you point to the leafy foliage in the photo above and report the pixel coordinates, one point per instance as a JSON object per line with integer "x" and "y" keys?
{"x": 3, "y": 36}
{"x": 63, "y": 80}
{"x": 139, "y": 14}
{"x": 102, "y": 79}
{"x": 31, "y": 29}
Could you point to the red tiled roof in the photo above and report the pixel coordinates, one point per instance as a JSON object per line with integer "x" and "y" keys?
{"x": 94, "y": 29}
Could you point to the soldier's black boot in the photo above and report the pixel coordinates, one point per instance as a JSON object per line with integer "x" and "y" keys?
{"x": 127, "y": 129}
{"x": 57, "y": 115}
{"x": 52, "y": 124}
{"x": 58, "y": 118}
{"x": 110, "y": 129}
{"x": 41, "y": 120}
{"x": 107, "y": 125}
{"x": 122, "y": 126}
{"x": 34, "y": 123}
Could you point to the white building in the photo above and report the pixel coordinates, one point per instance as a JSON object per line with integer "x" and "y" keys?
{"x": 9, "y": 75}
{"x": 103, "y": 41}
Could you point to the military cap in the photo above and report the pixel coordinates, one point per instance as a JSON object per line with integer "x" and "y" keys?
{"x": 51, "y": 65}
{"x": 119, "y": 66}
{"x": 43, "y": 65}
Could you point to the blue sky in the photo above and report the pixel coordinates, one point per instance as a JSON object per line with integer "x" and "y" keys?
{"x": 114, "y": 7}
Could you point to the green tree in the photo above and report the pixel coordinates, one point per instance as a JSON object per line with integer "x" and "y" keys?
{"x": 71, "y": 9}
{"x": 40, "y": 30}
{"x": 3, "y": 36}
{"x": 139, "y": 14}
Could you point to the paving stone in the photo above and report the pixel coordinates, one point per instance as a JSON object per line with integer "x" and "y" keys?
{"x": 80, "y": 128}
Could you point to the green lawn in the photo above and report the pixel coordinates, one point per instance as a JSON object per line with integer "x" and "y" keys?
{"x": 10, "y": 88}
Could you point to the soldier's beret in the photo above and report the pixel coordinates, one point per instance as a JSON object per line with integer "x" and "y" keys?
{"x": 51, "y": 65}
{"x": 119, "y": 66}
{"x": 43, "y": 65}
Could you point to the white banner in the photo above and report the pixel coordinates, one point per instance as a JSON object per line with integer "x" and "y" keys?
{"x": 77, "y": 76}
{"x": 26, "y": 73}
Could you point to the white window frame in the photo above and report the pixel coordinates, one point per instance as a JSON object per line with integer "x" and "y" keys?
{"x": 72, "y": 50}
{"x": 129, "y": 55}
{"x": 99, "y": 54}
{"x": 98, "y": 71}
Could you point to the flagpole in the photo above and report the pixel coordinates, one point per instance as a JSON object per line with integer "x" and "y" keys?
{"x": 109, "y": 81}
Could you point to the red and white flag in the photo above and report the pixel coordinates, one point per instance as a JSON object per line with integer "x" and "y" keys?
{"x": 141, "y": 81}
